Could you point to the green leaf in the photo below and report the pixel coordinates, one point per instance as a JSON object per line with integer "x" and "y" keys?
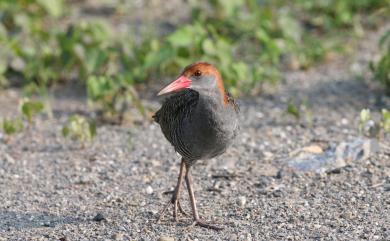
{"x": 365, "y": 115}
{"x": 65, "y": 131}
{"x": 79, "y": 128}
{"x": 92, "y": 128}
{"x": 293, "y": 109}
{"x": 53, "y": 7}
{"x": 262, "y": 35}
{"x": 181, "y": 37}
{"x": 230, "y": 7}
{"x": 11, "y": 126}
{"x": 98, "y": 86}
{"x": 155, "y": 58}
{"x": 209, "y": 47}
{"x": 187, "y": 35}
{"x": 385, "y": 38}
{"x": 386, "y": 120}
{"x": 95, "y": 58}
{"x": 29, "y": 108}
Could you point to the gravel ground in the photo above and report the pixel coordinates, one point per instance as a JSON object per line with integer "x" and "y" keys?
{"x": 113, "y": 189}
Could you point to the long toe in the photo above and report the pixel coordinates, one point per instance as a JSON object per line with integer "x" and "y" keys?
{"x": 161, "y": 215}
{"x": 174, "y": 201}
{"x": 181, "y": 208}
{"x": 204, "y": 224}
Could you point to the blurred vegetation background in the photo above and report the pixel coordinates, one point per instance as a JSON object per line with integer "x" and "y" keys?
{"x": 112, "y": 49}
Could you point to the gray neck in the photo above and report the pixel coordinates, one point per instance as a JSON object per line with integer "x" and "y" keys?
{"x": 211, "y": 105}
{"x": 212, "y": 99}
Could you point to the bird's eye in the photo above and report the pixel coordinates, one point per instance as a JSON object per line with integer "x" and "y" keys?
{"x": 198, "y": 73}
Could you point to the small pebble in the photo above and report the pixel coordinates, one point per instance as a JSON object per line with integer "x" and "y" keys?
{"x": 149, "y": 190}
{"x": 9, "y": 159}
{"x": 47, "y": 224}
{"x": 99, "y": 217}
{"x": 344, "y": 121}
{"x": 166, "y": 238}
{"x": 242, "y": 201}
{"x": 268, "y": 155}
{"x": 117, "y": 236}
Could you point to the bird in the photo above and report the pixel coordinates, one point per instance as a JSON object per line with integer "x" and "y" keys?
{"x": 200, "y": 119}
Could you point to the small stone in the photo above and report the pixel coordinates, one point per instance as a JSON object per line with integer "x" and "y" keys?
{"x": 233, "y": 237}
{"x": 242, "y": 201}
{"x": 277, "y": 193}
{"x": 166, "y": 238}
{"x": 267, "y": 170}
{"x": 117, "y": 236}
{"x": 249, "y": 237}
{"x": 99, "y": 217}
{"x": 334, "y": 157}
{"x": 9, "y": 159}
{"x": 344, "y": 122}
{"x": 268, "y": 155}
{"x": 149, "y": 190}
{"x": 313, "y": 149}
{"x": 47, "y": 224}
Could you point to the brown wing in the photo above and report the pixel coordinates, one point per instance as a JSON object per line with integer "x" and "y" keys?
{"x": 232, "y": 102}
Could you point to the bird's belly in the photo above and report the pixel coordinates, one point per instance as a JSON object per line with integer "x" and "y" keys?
{"x": 204, "y": 142}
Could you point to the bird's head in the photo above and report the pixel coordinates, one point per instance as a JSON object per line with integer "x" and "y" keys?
{"x": 199, "y": 76}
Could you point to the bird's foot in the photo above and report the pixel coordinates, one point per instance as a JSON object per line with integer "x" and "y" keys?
{"x": 181, "y": 210}
{"x": 204, "y": 224}
{"x": 176, "y": 207}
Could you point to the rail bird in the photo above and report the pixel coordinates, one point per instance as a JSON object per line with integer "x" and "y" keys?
{"x": 199, "y": 119}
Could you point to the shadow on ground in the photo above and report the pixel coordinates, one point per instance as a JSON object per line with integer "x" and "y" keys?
{"x": 15, "y": 220}
{"x": 343, "y": 93}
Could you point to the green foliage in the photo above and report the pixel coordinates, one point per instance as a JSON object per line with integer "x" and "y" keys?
{"x": 381, "y": 69}
{"x": 374, "y": 128}
{"x": 385, "y": 123}
{"x": 249, "y": 40}
{"x": 86, "y": 48}
{"x": 79, "y": 128}
{"x": 365, "y": 116}
{"x": 331, "y": 14}
{"x": 114, "y": 94}
{"x": 244, "y": 48}
{"x": 293, "y": 110}
{"x": 28, "y": 38}
{"x": 30, "y": 108}
{"x": 11, "y": 126}
{"x": 300, "y": 110}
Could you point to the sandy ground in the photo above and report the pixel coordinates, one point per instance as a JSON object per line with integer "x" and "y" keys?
{"x": 51, "y": 189}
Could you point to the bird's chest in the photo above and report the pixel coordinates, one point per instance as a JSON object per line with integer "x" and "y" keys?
{"x": 207, "y": 132}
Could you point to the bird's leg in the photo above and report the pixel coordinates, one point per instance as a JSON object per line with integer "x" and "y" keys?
{"x": 197, "y": 220}
{"x": 175, "y": 196}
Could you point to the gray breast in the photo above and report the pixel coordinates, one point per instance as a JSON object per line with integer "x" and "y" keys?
{"x": 211, "y": 129}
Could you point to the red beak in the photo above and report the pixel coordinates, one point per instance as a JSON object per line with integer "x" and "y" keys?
{"x": 181, "y": 83}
